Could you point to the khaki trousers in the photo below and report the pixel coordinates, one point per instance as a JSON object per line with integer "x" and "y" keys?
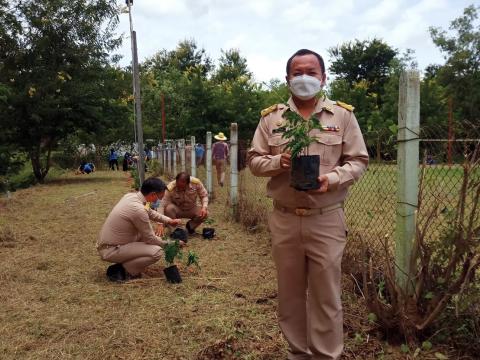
{"x": 220, "y": 167}
{"x": 174, "y": 212}
{"x": 307, "y": 251}
{"x": 134, "y": 256}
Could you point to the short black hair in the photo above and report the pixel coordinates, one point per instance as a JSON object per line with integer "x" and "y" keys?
{"x": 183, "y": 176}
{"x": 305, "y": 52}
{"x": 152, "y": 184}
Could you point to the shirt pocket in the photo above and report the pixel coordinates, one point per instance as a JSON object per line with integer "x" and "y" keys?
{"x": 329, "y": 147}
{"x": 277, "y": 144}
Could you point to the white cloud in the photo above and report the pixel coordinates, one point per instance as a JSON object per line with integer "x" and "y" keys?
{"x": 267, "y": 32}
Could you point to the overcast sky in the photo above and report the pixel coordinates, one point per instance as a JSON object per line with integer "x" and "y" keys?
{"x": 267, "y": 32}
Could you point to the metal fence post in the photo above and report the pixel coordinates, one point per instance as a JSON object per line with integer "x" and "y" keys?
{"x": 208, "y": 164}
{"x": 192, "y": 157}
{"x": 408, "y": 162}
{"x": 234, "y": 169}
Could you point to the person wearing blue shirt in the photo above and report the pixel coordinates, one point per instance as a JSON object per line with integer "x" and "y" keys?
{"x": 199, "y": 152}
{"x": 113, "y": 159}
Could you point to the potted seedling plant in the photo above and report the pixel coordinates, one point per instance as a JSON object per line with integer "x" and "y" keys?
{"x": 305, "y": 168}
{"x": 172, "y": 252}
{"x": 208, "y": 232}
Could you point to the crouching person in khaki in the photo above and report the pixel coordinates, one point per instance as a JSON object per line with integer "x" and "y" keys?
{"x": 127, "y": 238}
{"x": 180, "y": 200}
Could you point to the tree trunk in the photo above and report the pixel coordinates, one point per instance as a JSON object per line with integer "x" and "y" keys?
{"x": 35, "y": 157}
{"x": 379, "y": 154}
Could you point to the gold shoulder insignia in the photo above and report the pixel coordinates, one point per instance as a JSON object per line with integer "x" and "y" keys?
{"x": 268, "y": 110}
{"x": 147, "y": 206}
{"x": 194, "y": 180}
{"x": 345, "y": 106}
{"x": 171, "y": 186}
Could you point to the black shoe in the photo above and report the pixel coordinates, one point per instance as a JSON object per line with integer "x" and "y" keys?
{"x": 116, "y": 273}
{"x": 189, "y": 229}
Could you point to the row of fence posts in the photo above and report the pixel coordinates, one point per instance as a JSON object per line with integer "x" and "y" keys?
{"x": 172, "y": 155}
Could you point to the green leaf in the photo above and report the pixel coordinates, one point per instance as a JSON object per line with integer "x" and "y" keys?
{"x": 441, "y": 356}
{"x": 404, "y": 348}
{"x": 427, "y": 345}
{"x": 372, "y": 317}
{"x": 429, "y": 295}
{"x": 417, "y": 352}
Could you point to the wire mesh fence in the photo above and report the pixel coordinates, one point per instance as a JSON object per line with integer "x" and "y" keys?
{"x": 371, "y": 204}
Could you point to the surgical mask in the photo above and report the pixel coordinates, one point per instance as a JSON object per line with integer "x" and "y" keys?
{"x": 305, "y": 87}
{"x": 155, "y": 204}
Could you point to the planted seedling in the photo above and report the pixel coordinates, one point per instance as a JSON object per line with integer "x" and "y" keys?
{"x": 192, "y": 259}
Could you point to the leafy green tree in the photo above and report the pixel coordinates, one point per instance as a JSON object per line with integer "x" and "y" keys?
{"x": 367, "y": 61}
{"x": 54, "y": 60}
{"x": 460, "y": 75}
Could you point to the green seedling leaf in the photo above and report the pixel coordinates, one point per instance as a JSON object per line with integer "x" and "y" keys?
{"x": 429, "y": 295}
{"x": 172, "y": 251}
{"x": 358, "y": 338}
{"x": 192, "y": 259}
{"x": 427, "y": 345}
{"x": 372, "y": 317}
{"x": 441, "y": 356}
{"x": 404, "y": 348}
{"x": 417, "y": 352}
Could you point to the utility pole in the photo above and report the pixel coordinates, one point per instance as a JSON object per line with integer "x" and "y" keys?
{"x": 137, "y": 99}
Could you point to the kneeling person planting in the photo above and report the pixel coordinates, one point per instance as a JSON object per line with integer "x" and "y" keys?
{"x": 127, "y": 238}
{"x": 180, "y": 200}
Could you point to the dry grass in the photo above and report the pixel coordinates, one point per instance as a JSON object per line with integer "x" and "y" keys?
{"x": 58, "y": 304}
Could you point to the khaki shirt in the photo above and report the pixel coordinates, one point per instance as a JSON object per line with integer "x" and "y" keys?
{"x": 129, "y": 221}
{"x": 343, "y": 155}
{"x": 187, "y": 199}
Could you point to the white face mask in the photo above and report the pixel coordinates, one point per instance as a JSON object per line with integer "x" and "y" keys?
{"x": 305, "y": 87}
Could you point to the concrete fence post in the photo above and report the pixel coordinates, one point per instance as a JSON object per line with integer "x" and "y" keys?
{"x": 182, "y": 154}
{"x": 234, "y": 169}
{"x": 174, "y": 155}
{"x": 193, "y": 171}
{"x": 408, "y": 163}
{"x": 208, "y": 164}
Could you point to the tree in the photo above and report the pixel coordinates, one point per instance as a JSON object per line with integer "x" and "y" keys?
{"x": 367, "y": 61}
{"x": 460, "y": 75}
{"x": 54, "y": 60}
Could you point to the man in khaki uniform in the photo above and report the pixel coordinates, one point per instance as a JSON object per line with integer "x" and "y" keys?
{"x": 308, "y": 228}
{"x": 180, "y": 200}
{"x": 127, "y": 238}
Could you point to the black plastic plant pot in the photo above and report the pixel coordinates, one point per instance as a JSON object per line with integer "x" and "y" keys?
{"x": 172, "y": 274}
{"x": 208, "y": 233}
{"x": 305, "y": 172}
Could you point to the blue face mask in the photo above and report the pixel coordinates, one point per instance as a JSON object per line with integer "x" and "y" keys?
{"x": 155, "y": 204}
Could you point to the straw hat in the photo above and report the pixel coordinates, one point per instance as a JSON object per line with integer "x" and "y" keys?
{"x": 220, "y": 136}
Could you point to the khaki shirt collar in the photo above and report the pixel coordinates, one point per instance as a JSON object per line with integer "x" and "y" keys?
{"x": 141, "y": 197}
{"x": 323, "y": 103}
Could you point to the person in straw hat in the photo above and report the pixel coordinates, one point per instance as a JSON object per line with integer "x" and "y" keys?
{"x": 220, "y": 156}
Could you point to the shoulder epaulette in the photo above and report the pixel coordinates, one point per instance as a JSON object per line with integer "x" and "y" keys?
{"x": 268, "y": 110}
{"x": 171, "y": 186}
{"x": 194, "y": 180}
{"x": 345, "y": 106}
